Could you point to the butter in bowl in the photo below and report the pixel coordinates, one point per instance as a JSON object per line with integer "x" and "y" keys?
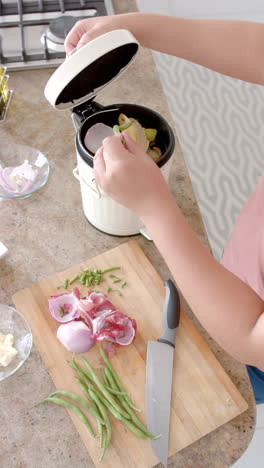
{"x": 15, "y": 341}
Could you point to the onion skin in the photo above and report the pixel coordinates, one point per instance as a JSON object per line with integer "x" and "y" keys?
{"x": 94, "y": 137}
{"x": 85, "y": 321}
{"x": 75, "y": 336}
{"x": 67, "y": 302}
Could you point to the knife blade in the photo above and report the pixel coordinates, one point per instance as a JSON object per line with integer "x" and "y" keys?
{"x": 159, "y": 369}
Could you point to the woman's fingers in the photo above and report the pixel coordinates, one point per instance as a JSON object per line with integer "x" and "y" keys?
{"x": 132, "y": 146}
{"x": 113, "y": 148}
{"x": 86, "y": 37}
{"x": 99, "y": 164}
{"x": 77, "y": 35}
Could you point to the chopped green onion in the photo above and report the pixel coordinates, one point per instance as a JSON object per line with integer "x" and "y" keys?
{"x": 110, "y": 269}
{"x": 75, "y": 278}
{"x": 118, "y": 292}
{"x": 63, "y": 311}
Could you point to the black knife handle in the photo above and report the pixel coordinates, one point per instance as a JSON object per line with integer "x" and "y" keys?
{"x": 170, "y": 314}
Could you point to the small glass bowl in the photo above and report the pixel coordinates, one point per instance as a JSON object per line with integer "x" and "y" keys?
{"x": 12, "y": 155}
{"x": 12, "y": 321}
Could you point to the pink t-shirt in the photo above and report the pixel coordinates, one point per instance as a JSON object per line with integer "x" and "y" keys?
{"x": 244, "y": 252}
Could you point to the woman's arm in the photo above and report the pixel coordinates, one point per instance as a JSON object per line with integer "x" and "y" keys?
{"x": 231, "y": 312}
{"x": 234, "y": 48}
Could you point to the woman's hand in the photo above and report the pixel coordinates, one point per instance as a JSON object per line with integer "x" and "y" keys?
{"x": 129, "y": 176}
{"x": 88, "y": 29}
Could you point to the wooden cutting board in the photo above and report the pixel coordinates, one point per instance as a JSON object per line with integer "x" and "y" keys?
{"x": 203, "y": 396}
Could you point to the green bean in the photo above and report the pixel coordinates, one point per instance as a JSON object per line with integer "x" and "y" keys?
{"x": 106, "y": 382}
{"x": 116, "y": 379}
{"x": 119, "y": 384}
{"x": 79, "y": 400}
{"x": 130, "y": 425}
{"x": 67, "y": 404}
{"x": 84, "y": 388}
{"x": 79, "y": 369}
{"x": 129, "y": 402}
{"x": 107, "y": 440}
{"x": 117, "y": 281}
{"x": 123, "y": 284}
{"x": 101, "y": 434}
{"x": 116, "y": 129}
{"x": 125, "y": 405}
{"x": 135, "y": 419}
{"x": 136, "y": 430}
{"x": 66, "y": 283}
{"x": 110, "y": 379}
{"x": 105, "y": 392}
{"x": 85, "y": 376}
{"x": 115, "y": 392}
{"x": 87, "y": 381}
{"x": 96, "y": 409}
{"x": 110, "y": 367}
{"x": 108, "y": 405}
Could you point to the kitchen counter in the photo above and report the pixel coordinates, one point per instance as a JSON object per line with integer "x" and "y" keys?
{"x": 47, "y": 233}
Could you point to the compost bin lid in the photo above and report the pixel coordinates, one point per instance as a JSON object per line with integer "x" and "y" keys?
{"x": 89, "y": 69}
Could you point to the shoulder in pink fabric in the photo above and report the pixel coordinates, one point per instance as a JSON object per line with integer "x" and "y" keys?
{"x": 244, "y": 252}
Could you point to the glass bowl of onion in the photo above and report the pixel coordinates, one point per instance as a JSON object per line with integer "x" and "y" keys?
{"x": 15, "y": 340}
{"x": 23, "y": 170}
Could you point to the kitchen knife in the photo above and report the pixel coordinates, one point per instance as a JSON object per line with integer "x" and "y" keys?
{"x": 160, "y": 355}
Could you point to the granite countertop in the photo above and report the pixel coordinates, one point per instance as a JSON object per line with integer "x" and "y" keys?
{"x": 47, "y": 233}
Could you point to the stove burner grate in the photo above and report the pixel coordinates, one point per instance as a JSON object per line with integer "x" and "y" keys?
{"x": 23, "y": 14}
{"x": 57, "y": 31}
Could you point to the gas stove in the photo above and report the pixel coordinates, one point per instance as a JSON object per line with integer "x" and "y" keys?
{"x": 32, "y": 33}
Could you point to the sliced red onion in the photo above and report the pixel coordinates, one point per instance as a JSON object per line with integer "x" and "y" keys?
{"x": 3, "y": 182}
{"x": 95, "y": 135}
{"x": 99, "y": 321}
{"x": 92, "y": 300}
{"x": 93, "y": 303}
{"x": 64, "y": 307}
{"x": 116, "y": 327}
{"x": 126, "y": 337}
{"x": 76, "y": 293}
{"x": 75, "y": 336}
{"x": 97, "y": 298}
{"x": 17, "y": 179}
{"x": 98, "y": 317}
